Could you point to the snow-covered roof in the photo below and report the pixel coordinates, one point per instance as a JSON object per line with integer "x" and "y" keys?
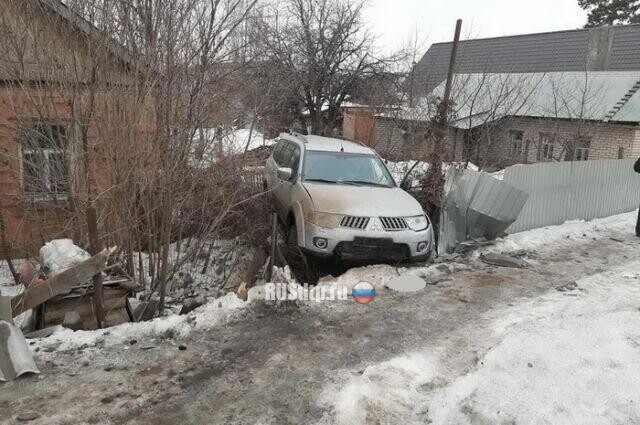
{"x": 599, "y": 96}
{"x": 482, "y": 98}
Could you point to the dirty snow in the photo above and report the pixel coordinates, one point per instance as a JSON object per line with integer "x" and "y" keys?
{"x": 204, "y": 317}
{"x": 567, "y": 357}
{"x": 571, "y": 230}
{"x": 388, "y": 390}
{"x": 560, "y": 359}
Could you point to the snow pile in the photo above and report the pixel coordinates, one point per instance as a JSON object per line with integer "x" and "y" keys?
{"x": 60, "y": 254}
{"x": 239, "y": 140}
{"x": 204, "y": 317}
{"x": 209, "y": 144}
{"x": 568, "y": 360}
{"x": 387, "y": 391}
{"x": 399, "y": 169}
{"x": 575, "y": 229}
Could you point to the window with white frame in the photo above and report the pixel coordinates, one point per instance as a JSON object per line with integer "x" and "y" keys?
{"x": 516, "y": 143}
{"x": 545, "y": 149}
{"x": 45, "y": 166}
{"x": 577, "y": 149}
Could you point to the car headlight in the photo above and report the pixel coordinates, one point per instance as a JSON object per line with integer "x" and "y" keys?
{"x": 417, "y": 223}
{"x": 324, "y": 219}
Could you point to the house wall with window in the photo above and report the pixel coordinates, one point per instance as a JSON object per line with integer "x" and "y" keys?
{"x": 46, "y": 166}
{"x": 564, "y": 140}
{"x": 529, "y": 140}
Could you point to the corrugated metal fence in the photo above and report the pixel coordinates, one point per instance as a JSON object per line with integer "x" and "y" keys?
{"x": 561, "y": 191}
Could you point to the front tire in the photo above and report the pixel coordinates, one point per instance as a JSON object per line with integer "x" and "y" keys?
{"x": 302, "y": 266}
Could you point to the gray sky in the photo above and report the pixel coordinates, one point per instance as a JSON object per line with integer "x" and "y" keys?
{"x": 395, "y": 20}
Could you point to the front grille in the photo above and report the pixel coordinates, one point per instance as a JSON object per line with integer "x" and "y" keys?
{"x": 354, "y": 222}
{"x": 393, "y": 223}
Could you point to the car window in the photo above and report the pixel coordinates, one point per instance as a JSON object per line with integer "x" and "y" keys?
{"x": 346, "y": 168}
{"x": 285, "y": 157}
{"x": 295, "y": 160}
{"x": 277, "y": 151}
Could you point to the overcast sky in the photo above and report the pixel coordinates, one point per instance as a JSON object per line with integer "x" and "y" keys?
{"x": 394, "y": 20}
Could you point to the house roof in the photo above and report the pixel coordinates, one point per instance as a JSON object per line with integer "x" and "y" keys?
{"x": 478, "y": 99}
{"x": 594, "y": 49}
{"x": 594, "y": 96}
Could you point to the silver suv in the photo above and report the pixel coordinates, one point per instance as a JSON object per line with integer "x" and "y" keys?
{"x": 337, "y": 198}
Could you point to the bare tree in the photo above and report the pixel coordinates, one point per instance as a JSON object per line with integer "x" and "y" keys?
{"x": 323, "y": 51}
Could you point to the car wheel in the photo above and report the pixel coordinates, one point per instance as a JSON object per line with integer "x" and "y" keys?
{"x": 301, "y": 266}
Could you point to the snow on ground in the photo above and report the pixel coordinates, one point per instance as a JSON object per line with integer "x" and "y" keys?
{"x": 575, "y": 229}
{"x": 558, "y": 359}
{"x": 239, "y": 140}
{"x": 561, "y": 359}
{"x": 205, "y": 317}
{"x": 566, "y": 357}
{"x": 208, "y": 146}
{"x": 386, "y": 390}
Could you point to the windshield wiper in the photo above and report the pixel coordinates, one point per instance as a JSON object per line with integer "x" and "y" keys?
{"x": 365, "y": 183}
{"x": 321, "y": 180}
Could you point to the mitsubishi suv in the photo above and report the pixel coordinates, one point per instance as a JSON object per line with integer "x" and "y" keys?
{"x": 337, "y": 199}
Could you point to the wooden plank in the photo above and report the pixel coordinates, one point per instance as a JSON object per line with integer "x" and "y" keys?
{"x": 61, "y": 283}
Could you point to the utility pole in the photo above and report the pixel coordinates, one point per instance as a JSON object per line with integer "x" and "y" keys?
{"x": 439, "y": 149}
{"x": 444, "y": 105}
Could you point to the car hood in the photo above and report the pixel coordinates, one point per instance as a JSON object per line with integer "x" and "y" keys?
{"x": 362, "y": 201}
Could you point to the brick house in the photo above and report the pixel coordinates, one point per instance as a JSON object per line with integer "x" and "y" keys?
{"x": 568, "y": 95}
{"x": 54, "y": 146}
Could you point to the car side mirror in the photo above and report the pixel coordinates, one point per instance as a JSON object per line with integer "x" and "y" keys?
{"x": 285, "y": 173}
{"x": 406, "y": 184}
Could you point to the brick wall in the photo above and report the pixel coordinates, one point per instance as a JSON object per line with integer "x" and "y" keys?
{"x": 603, "y": 140}
{"x": 493, "y": 148}
{"x": 405, "y": 139}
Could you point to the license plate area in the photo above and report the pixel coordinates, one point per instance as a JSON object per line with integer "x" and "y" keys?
{"x": 372, "y": 243}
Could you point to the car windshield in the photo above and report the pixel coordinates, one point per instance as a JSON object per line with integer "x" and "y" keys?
{"x": 346, "y": 168}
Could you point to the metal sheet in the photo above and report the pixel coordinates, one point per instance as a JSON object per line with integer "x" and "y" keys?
{"x": 562, "y": 191}
{"x": 15, "y": 356}
{"x": 477, "y": 206}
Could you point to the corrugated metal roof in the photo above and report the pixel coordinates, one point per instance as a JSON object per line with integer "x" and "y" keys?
{"x": 598, "y": 96}
{"x": 595, "y": 49}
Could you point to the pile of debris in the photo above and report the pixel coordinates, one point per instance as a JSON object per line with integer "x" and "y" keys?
{"x": 58, "y": 289}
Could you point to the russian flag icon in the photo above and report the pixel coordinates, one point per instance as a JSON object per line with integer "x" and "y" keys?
{"x": 363, "y": 293}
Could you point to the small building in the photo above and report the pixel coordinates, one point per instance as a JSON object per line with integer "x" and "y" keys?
{"x": 58, "y": 75}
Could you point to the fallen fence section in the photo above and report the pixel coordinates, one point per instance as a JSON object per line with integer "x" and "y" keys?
{"x": 561, "y": 191}
{"x": 476, "y": 206}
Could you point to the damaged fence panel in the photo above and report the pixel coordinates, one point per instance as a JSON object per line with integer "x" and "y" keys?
{"x": 476, "y": 206}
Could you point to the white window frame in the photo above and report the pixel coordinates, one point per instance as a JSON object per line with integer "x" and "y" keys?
{"x": 546, "y": 148}
{"x": 516, "y": 146}
{"x": 48, "y": 196}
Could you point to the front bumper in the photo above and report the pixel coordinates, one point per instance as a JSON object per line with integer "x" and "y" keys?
{"x": 363, "y": 245}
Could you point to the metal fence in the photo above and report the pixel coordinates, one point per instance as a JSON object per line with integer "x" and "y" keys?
{"x": 561, "y": 191}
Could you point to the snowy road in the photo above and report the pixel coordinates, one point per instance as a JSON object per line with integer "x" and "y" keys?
{"x": 556, "y": 342}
